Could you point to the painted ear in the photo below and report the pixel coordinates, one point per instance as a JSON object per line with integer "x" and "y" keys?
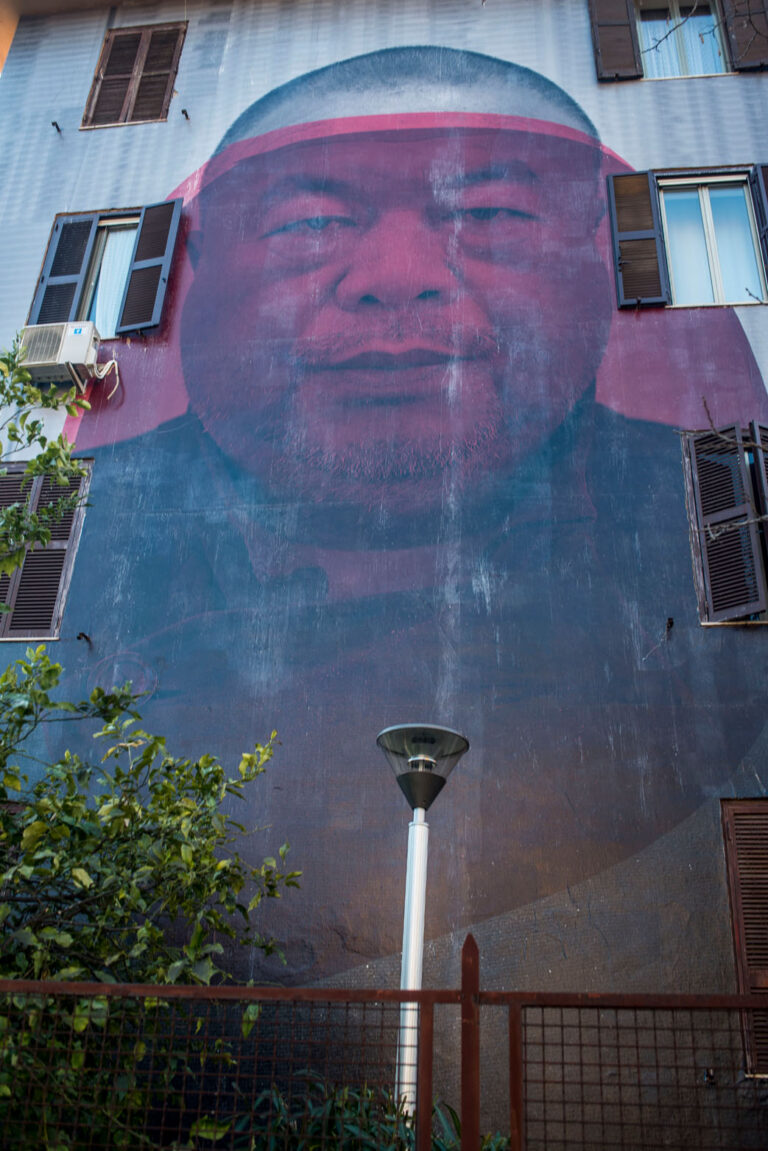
{"x": 194, "y": 247}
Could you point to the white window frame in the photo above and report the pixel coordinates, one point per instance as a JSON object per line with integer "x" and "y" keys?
{"x": 676, "y": 21}
{"x": 702, "y": 184}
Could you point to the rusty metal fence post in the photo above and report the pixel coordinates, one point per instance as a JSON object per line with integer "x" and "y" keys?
{"x": 470, "y": 1045}
{"x": 424, "y": 1080}
{"x": 516, "y": 1117}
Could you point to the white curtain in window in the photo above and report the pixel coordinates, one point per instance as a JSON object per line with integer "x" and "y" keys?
{"x": 660, "y": 55}
{"x": 735, "y": 246}
{"x": 689, "y": 265}
{"x": 110, "y": 285}
{"x": 702, "y": 48}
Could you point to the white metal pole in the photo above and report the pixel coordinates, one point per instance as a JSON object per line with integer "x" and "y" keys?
{"x": 413, "y": 956}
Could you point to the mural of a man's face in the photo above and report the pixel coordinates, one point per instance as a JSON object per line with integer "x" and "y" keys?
{"x": 394, "y": 311}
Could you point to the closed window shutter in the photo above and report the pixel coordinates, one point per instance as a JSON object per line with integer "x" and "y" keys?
{"x": 135, "y": 75}
{"x": 747, "y": 24}
{"x": 729, "y": 541}
{"x": 120, "y": 57}
{"x": 638, "y": 244}
{"x": 35, "y": 592}
{"x": 65, "y": 267}
{"x": 614, "y": 38}
{"x": 745, "y": 824}
{"x": 142, "y": 303}
{"x": 758, "y": 183}
{"x": 153, "y": 93}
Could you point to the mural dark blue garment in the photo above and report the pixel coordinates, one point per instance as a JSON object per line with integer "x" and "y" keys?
{"x": 396, "y": 497}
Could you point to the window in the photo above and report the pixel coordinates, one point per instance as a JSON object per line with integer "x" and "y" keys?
{"x": 679, "y": 39}
{"x": 636, "y": 38}
{"x": 745, "y": 827}
{"x": 690, "y": 240}
{"x": 727, "y": 497}
{"x": 135, "y": 74}
{"x": 711, "y": 242}
{"x": 109, "y": 267}
{"x": 36, "y": 592}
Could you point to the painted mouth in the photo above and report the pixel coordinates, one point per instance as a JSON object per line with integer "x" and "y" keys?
{"x": 393, "y": 360}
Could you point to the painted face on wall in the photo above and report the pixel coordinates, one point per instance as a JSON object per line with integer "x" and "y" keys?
{"x": 395, "y": 312}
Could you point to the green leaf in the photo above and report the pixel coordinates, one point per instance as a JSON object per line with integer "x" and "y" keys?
{"x": 250, "y": 1016}
{"x": 33, "y": 834}
{"x": 175, "y": 970}
{"x": 208, "y": 1128}
{"x": 81, "y": 877}
{"x": 187, "y": 854}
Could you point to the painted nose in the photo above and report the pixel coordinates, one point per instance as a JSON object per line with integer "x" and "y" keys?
{"x": 399, "y": 261}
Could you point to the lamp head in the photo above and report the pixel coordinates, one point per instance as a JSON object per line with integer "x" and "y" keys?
{"x": 422, "y": 757}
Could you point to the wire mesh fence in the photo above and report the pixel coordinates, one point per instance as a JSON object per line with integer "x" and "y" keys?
{"x": 610, "y": 1074}
{"x": 164, "y": 1069}
{"x": 97, "y": 1067}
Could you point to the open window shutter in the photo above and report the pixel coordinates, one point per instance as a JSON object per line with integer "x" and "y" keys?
{"x": 638, "y": 244}
{"x": 745, "y": 823}
{"x": 65, "y": 267}
{"x": 758, "y": 183}
{"x": 155, "y": 84}
{"x": 614, "y": 38}
{"x": 35, "y": 592}
{"x": 142, "y": 303}
{"x": 747, "y": 24}
{"x": 13, "y": 490}
{"x": 734, "y": 581}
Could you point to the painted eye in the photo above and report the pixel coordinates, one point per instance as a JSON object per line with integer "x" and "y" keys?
{"x": 482, "y": 213}
{"x": 312, "y": 224}
{"x": 485, "y": 215}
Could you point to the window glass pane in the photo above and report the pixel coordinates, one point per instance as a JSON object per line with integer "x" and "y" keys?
{"x": 658, "y": 45}
{"x": 110, "y": 285}
{"x": 701, "y": 44}
{"x": 735, "y": 245}
{"x": 687, "y": 249}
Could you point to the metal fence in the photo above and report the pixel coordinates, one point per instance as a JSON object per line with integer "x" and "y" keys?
{"x": 87, "y": 1066}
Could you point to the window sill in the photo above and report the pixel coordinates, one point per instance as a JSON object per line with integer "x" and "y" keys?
{"x": 732, "y": 304}
{"x": 734, "y": 623}
{"x": 121, "y": 124}
{"x": 690, "y": 76}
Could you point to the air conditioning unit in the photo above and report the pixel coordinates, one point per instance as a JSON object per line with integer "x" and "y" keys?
{"x": 61, "y": 353}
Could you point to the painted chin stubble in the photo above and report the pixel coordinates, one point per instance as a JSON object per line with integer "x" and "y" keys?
{"x": 404, "y": 443}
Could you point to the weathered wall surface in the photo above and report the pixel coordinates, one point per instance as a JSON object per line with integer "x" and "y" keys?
{"x": 394, "y": 454}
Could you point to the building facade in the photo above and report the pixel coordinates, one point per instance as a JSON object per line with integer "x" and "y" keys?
{"x": 414, "y": 307}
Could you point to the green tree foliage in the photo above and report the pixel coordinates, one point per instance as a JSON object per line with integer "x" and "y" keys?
{"x": 118, "y": 869}
{"x": 121, "y": 869}
{"x": 22, "y": 429}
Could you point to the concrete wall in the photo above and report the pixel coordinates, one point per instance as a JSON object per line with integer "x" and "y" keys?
{"x": 308, "y": 514}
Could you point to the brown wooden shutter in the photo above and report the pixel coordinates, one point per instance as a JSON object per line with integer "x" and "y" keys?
{"x": 135, "y": 75}
{"x": 155, "y": 87}
{"x": 614, "y": 38}
{"x": 60, "y": 289}
{"x": 727, "y": 515}
{"x": 36, "y": 592}
{"x": 119, "y": 59}
{"x": 745, "y": 824}
{"x": 747, "y": 24}
{"x": 758, "y": 184}
{"x": 150, "y": 267}
{"x": 638, "y": 244}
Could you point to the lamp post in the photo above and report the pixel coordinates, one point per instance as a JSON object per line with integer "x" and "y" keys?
{"x": 422, "y": 757}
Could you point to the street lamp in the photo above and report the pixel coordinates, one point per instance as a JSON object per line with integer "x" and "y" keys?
{"x": 422, "y": 757}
